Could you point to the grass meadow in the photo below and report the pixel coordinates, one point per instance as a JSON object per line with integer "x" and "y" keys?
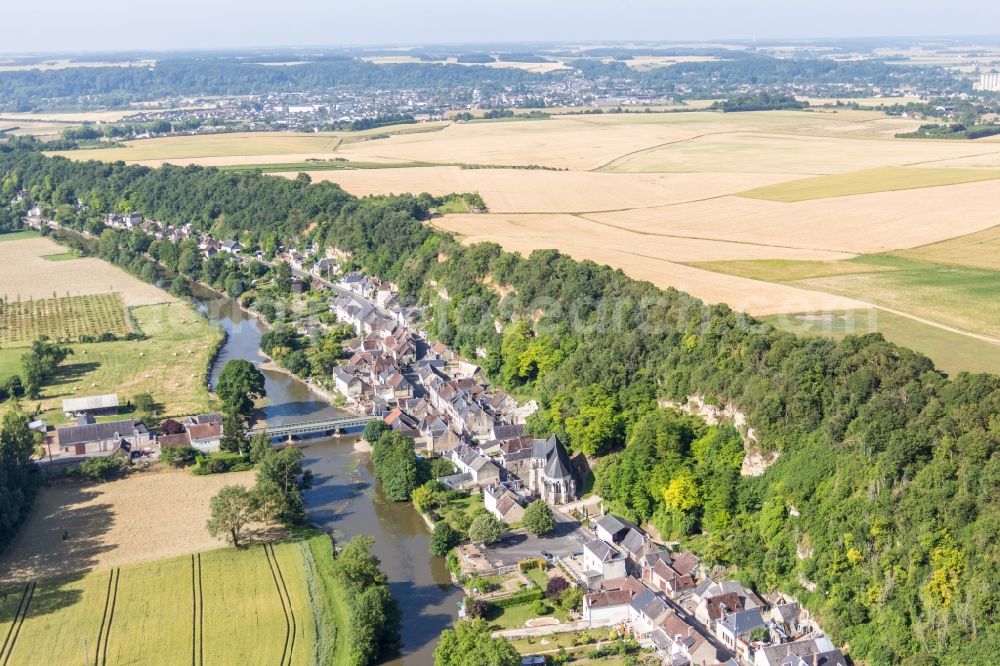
{"x": 169, "y": 364}
{"x": 254, "y": 605}
{"x": 951, "y": 352}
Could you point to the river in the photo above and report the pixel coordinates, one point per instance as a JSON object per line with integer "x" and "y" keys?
{"x": 344, "y": 498}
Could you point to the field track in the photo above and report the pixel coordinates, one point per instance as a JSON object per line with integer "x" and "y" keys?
{"x": 107, "y": 618}
{"x": 286, "y": 603}
{"x": 17, "y": 623}
{"x": 198, "y": 620}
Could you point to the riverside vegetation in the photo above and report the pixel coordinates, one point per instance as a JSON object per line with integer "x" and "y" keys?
{"x": 883, "y": 495}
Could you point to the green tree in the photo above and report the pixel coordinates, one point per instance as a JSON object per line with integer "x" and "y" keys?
{"x": 395, "y": 465}
{"x": 240, "y": 383}
{"x": 598, "y": 427}
{"x": 443, "y": 539}
{"x": 539, "y": 518}
{"x": 428, "y": 496}
{"x": 470, "y": 643}
{"x": 283, "y": 470}
{"x": 260, "y": 447}
{"x": 374, "y": 430}
{"x": 233, "y": 507}
{"x": 100, "y": 470}
{"x": 177, "y": 456}
{"x": 283, "y": 278}
{"x": 234, "y": 432}
{"x": 17, "y": 486}
{"x": 356, "y": 566}
{"x": 486, "y": 528}
{"x": 40, "y": 363}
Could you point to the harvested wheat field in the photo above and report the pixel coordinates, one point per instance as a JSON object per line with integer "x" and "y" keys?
{"x": 651, "y": 258}
{"x": 978, "y": 250}
{"x": 530, "y": 191}
{"x": 868, "y": 181}
{"x": 22, "y": 264}
{"x": 144, "y": 517}
{"x": 71, "y": 116}
{"x": 858, "y": 224}
{"x": 791, "y": 153}
{"x": 238, "y": 147}
{"x": 582, "y": 143}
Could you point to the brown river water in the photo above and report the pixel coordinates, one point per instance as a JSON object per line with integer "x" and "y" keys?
{"x": 346, "y": 500}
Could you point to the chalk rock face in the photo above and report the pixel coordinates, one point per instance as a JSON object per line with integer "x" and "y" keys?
{"x": 755, "y": 460}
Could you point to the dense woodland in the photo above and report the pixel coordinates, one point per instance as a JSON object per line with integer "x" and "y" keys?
{"x": 883, "y": 499}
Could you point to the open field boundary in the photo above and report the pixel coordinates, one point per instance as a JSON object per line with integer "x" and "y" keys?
{"x": 868, "y": 181}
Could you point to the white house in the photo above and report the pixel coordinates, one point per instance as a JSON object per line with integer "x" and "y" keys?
{"x": 607, "y": 607}
{"x": 601, "y": 561}
{"x": 503, "y": 503}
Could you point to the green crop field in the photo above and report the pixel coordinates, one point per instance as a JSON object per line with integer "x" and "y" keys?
{"x": 255, "y": 605}
{"x": 18, "y": 235}
{"x": 951, "y": 352}
{"x": 867, "y": 181}
{"x": 789, "y": 270}
{"x": 962, "y": 296}
{"x": 62, "y": 318}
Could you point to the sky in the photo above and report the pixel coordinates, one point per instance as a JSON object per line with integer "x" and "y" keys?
{"x": 117, "y": 25}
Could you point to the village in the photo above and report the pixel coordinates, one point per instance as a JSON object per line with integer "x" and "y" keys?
{"x": 664, "y": 599}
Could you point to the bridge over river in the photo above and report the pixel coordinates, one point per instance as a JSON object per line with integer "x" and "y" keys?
{"x": 320, "y": 427}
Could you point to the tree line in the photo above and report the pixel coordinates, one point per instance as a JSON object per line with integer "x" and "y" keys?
{"x": 883, "y": 493}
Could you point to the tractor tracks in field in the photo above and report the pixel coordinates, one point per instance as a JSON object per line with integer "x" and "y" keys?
{"x": 104, "y": 633}
{"x": 286, "y": 603}
{"x": 15, "y": 626}
{"x": 197, "y": 613}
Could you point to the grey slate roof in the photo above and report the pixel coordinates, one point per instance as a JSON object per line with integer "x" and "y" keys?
{"x": 648, "y": 604}
{"x": 602, "y": 551}
{"x": 632, "y": 542}
{"x": 558, "y": 466}
{"x": 783, "y": 653}
{"x": 612, "y": 524}
{"x": 743, "y": 622}
{"x": 94, "y": 432}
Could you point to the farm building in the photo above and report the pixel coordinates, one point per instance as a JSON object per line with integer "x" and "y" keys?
{"x": 102, "y": 439}
{"x": 205, "y": 436}
{"x": 95, "y": 405}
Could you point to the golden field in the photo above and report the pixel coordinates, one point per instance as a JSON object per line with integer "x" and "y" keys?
{"x": 869, "y": 181}
{"x": 978, "y": 250}
{"x": 114, "y": 524}
{"x": 531, "y": 191}
{"x": 22, "y": 264}
{"x": 666, "y": 197}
